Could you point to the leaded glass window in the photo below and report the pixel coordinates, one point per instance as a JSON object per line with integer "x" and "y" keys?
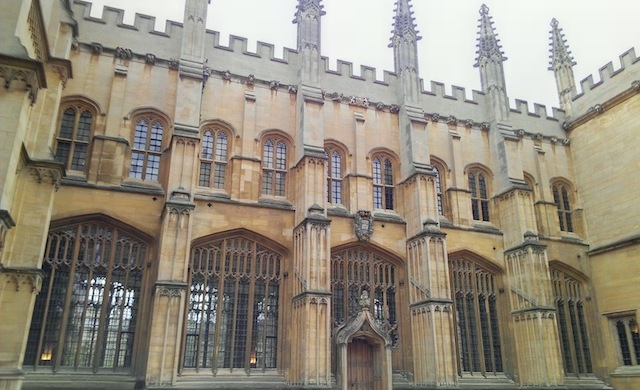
{"x": 354, "y": 270}
{"x": 476, "y": 313}
{"x": 146, "y": 150}
{"x": 439, "y": 183}
{"x": 383, "y": 184}
{"x": 334, "y": 176}
{"x": 572, "y": 326}
{"x": 478, "y": 187}
{"x": 74, "y": 134}
{"x": 86, "y": 314}
{"x": 274, "y": 167}
{"x": 628, "y": 333}
{"x": 213, "y": 159}
{"x": 232, "y": 311}
{"x": 563, "y": 204}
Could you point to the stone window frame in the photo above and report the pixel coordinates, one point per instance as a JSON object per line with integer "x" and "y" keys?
{"x": 440, "y": 185}
{"x": 217, "y": 179}
{"x": 625, "y": 322}
{"x": 261, "y": 261}
{"x": 562, "y": 192}
{"x": 388, "y": 165}
{"x": 150, "y": 150}
{"x": 573, "y": 308}
{"x": 275, "y": 168}
{"x": 480, "y": 202}
{"x": 493, "y": 318}
{"x": 79, "y": 105}
{"x": 116, "y": 282}
{"x": 334, "y": 179}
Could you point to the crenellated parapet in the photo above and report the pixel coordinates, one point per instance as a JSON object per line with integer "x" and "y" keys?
{"x": 613, "y": 81}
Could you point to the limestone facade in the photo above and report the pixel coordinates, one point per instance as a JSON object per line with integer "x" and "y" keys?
{"x": 179, "y": 214}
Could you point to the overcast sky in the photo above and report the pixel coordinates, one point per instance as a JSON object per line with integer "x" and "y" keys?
{"x": 358, "y": 31}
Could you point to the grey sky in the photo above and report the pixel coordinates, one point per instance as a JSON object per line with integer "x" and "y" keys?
{"x": 358, "y": 31}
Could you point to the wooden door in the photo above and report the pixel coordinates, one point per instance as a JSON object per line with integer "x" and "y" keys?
{"x": 360, "y": 363}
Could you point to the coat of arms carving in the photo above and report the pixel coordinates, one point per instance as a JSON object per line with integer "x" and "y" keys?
{"x": 363, "y": 225}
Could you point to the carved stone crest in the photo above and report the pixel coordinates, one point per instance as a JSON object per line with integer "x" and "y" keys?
{"x": 363, "y": 226}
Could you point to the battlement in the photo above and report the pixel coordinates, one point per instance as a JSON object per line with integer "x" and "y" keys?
{"x": 594, "y": 92}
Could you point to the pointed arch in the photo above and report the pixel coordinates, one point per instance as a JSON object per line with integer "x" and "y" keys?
{"x": 93, "y": 293}
{"x": 475, "y": 285}
{"x": 479, "y": 178}
{"x": 440, "y": 171}
{"x": 384, "y": 171}
{"x": 277, "y": 147}
{"x": 231, "y": 316}
{"x": 564, "y": 198}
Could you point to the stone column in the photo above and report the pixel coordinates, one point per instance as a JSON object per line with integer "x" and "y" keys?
{"x": 170, "y": 293}
{"x": 432, "y": 322}
{"x": 538, "y": 357}
{"x": 311, "y": 315}
{"x": 21, "y": 260}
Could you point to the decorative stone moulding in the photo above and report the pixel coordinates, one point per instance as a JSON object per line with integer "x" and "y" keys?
{"x": 293, "y": 89}
{"x": 469, "y": 123}
{"x": 174, "y": 64}
{"x": 435, "y": 117}
{"x": 226, "y": 75}
{"x": 363, "y": 225}
{"x": 250, "y": 80}
{"x": 359, "y": 101}
{"x": 123, "y": 53}
{"x": 485, "y": 126}
{"x": 150, "y": 59}
{"x": 452, "y": 120}
{"x": 96, "y": 48}
{"x": 394, "y": 108}
{"x": 274, "y": 84}
{"x": 333, "y": 96}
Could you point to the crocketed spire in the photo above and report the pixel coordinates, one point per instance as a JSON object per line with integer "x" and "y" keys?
{"x": 488, "y": 42}
{"x": 560, "y": 53}
{"x": 403, "y": 23}
{"x": 313, "y": 7}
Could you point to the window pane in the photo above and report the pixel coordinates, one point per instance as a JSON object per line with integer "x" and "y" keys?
{"x": 483, "y": 186}
{"x": 221, "y": 147}
{"x": 205, "y": 174}
{"x": 67, "y": 124}
{"x": 84, "y": 127}
{"x": 62, "y": 152}
{"x": 280, "y": 184}
{"x": 155, "y": 142}
{"x": 377, "y": 172}
{"x": 336, "y": 191}
{"x": 336, "y": 165}
{"x": 388, "y": 198}
{"x": 137, "y": 165}
{"x": 472, "y": 185}
{"x": 79, "y": 157}
{"x": 207, "y": 146}
{"x": 388, "y": 173}
{"x": 267, "y": 182}
{"x": 281, "y": 160}
{"x": 218, "y": 179}
{"x": 153, "y": 167}
{"x": 377, "y": 197}
{"x": 624, "y": 343}
{"x": 140, "y": 138}
{"x": 267, "y": 155}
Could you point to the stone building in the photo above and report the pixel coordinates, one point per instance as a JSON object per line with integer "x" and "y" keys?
{"x": 175, "y": 213}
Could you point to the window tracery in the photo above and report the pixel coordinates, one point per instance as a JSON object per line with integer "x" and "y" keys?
{"x": 383, "y": 183}
{"x": 563, "y": 204}
{"x": 74, "y": 135}
{"x": 213, "y": 158}
{"x": 146, "y": 148}
{"x": 479, "y": 187}
{"x": 274, "y": 167}
{"x": 334, "y": 174}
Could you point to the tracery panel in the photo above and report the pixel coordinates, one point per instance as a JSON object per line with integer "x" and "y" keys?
{"x": 232, "y": 312}
{"x": 86, "y": 314}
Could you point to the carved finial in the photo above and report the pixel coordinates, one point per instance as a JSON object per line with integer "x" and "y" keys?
{"x": 365, "y": 301}
{"x": 488, "y": 42}
{"x": 312, "y": 8}
{"x": 560, "y": 53}
{"x": 404, "y": 25}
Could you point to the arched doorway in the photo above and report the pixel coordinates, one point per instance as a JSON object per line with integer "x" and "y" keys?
{"x": 364, "y": 351}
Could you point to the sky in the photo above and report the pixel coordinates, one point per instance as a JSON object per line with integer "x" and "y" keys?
{"x": 358, "y": 31}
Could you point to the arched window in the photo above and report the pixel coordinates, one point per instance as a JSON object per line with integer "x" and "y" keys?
{"x": 147, "y": 149}
{"x": 478, "y": 187}
{"x": 232, "y": 312}
{"x": 74, "y": 134}
{"x": 563, "y": 204}
{"x": 628, "y": 333}
{"x": 86, "y": 314}
{"x": 274, "y": 167}
{"x": 213, "y": 158}
{"x": 438, "y": 171}
{"x": 383, "y": 183}
{"x": 572, "y": 324}
{"x": 334, "y": 175}
{"x": 356, "y": 269}
{"x": 474, "y": 290}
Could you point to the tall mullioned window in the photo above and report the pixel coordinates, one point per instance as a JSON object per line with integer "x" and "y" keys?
{"x": 74, "y": 134}
{"x": 439, "y": 183}
{"x": 356, "y": 269}
{"x": 572, "y": 324}
{"x": 232, "y": 311}
{"x": 478, "y": 187}
{"x": 563, "y": 204}
{"x": 86, "y": 314}
{"x": 274, "y": 167}
{"x": 334, "y": 176}
{"x": 476, "y": 313}
{"x": 213, "y": 159}
{"x": 383, "y": 184}
{"x": 146, "y": 149}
